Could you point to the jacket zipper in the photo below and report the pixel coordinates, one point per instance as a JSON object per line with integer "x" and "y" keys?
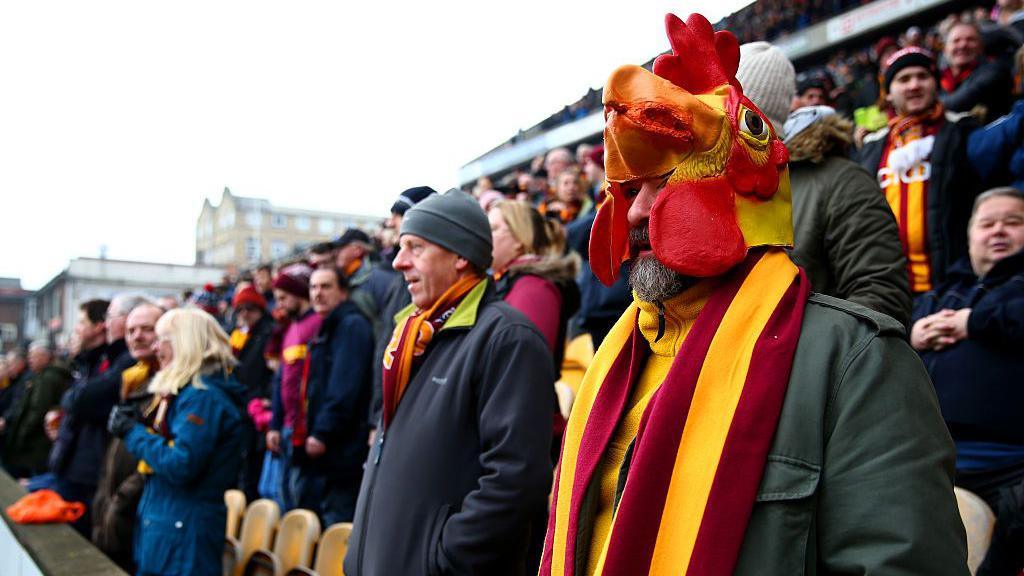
{"x": 379, "y": 447}
{"x": 661, "y": 321}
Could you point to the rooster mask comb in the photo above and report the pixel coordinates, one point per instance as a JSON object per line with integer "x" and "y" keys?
{"x": 727, "y": 183}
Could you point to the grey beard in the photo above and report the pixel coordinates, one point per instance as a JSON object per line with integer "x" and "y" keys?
{"x": 654, "y": 282}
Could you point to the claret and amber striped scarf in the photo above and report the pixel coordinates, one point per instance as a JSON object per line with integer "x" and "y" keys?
{"x": 703, "y": 440}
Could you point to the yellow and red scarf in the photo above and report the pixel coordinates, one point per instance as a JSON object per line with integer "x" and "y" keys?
{"x": 906, "y": 192}
{"x": 703, "y": 440}
{"x": 410, "y": 339}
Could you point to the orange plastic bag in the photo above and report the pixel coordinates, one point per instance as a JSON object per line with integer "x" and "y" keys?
{"x": 44, "y": 507}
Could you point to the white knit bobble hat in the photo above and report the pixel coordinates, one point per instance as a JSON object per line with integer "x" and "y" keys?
{"x": 768, "y": 79}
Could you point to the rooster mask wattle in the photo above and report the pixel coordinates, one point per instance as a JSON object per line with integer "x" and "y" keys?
{"x": 727, "y": 183}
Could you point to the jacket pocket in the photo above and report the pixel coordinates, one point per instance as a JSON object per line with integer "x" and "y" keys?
{"x": 781, "y": 523}
{"x": 433, "y": 556}
{"x": 161, "y": 546}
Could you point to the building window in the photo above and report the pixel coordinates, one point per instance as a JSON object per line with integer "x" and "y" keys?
{"x": 302, "y": 223}
{"x": 278, "y": 249}
{"x": 227, "y": 220}
{"x": 8, "y": 332}
{"x": 253, "y": 219}
{"x": 252, "y": 250}
{"x": 278, "y": 220}
{"x": 326, "y": 226}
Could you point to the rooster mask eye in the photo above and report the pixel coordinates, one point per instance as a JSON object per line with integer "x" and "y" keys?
{"x": 753, "y": 128}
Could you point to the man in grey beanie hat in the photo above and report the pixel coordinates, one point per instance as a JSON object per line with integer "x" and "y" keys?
{"x": 454, "y": 221}
{"x": 459, "y": 473}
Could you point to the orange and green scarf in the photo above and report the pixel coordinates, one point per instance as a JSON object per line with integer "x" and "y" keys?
{"x": 703, "y": 440}
{"x": 410, "y": 339}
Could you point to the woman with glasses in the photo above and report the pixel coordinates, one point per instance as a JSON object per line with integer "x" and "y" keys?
{"x": 190, "y": 446}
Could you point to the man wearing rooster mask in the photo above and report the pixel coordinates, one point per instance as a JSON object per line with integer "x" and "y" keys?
{"x": 732, "y": 422}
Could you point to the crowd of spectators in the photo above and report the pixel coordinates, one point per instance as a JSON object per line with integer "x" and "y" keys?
{"x": 284, "y": 381}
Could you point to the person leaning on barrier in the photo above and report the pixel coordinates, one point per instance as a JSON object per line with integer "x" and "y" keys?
{"x": 191, "y": 446}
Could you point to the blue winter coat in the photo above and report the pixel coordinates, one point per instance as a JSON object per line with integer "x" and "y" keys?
{"x": 338, "y": 393}
{"x": 181, "y": 518}
{"x": 997, "y": 150}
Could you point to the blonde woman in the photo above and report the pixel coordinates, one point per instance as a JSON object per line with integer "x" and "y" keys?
{"x": 530, "y": 270}
{"x": 190, "y": 444}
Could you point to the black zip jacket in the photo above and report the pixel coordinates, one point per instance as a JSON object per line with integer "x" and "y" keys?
{"x": 454, "y": 482}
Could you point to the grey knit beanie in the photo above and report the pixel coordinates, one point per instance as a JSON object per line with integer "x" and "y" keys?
{"x": 768, "y": 79}
{"x": 453, "y": 221}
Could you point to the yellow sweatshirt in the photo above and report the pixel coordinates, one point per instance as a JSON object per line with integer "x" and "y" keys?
{"x": 680, "y": 312}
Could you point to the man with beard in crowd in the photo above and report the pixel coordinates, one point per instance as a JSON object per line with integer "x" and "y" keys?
{"x": 120, "y": 486}
{"x": 732, "y": 422}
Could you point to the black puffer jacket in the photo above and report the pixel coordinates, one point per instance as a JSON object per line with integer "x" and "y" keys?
{"x": 453, "y": 483}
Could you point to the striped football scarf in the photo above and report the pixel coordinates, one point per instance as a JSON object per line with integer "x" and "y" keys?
{"x": 703, "y": 440}
{"x": 410, "y": 339}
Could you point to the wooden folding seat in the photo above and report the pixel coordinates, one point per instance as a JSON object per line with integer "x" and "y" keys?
{"x": 331, "y": 551}
{"x": 297, "y": 535}
{"x": 257, "y": 533}
{"x": 235, "y": 501}
{"x": 979, "y": 521}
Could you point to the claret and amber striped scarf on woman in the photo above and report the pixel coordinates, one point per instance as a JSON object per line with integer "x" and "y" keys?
{"x": 703, "y": 440}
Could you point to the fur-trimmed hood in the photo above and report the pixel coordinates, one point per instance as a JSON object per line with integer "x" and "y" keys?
{"x": 556, "y": 270}
{"x": 830, "y": 136}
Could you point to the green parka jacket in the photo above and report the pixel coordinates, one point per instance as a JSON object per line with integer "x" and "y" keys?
{"x": 859, "y": 477}
{"x": 27, "y": 446}
{"x": 845, "y": 235}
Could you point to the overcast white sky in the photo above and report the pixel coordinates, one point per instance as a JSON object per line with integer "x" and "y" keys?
{"x": 118, "y": 118}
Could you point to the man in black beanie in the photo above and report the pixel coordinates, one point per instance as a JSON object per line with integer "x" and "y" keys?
{"x": 922, "y": 165}
{"x": 461, "y": 463}
{"x": 396, "y": 297}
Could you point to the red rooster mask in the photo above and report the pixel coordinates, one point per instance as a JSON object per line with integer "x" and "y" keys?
{"x": 727, "y": 183}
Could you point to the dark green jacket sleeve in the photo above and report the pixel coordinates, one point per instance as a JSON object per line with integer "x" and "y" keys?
{"x": 886, "y": 503}
{"x": 863, "y": 244}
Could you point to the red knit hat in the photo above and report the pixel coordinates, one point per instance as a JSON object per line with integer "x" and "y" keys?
{"x": 294, "y": 279}
{"x": 249, "y": 296}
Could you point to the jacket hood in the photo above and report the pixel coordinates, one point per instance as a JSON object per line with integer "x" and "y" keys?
{"x": 829, "y": 136}
{"x": 556, "y": 270}
{"x": 226, "y": 382}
